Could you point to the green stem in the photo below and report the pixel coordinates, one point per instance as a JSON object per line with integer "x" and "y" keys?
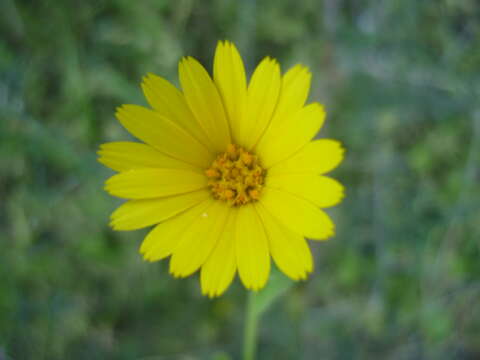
{"x": 251, "y": 325}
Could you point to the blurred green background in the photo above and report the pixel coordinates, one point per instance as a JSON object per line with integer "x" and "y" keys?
{"x": 400, "y": 80}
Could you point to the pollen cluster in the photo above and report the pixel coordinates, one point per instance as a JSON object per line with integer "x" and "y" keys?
{"x": 236, "y": 176}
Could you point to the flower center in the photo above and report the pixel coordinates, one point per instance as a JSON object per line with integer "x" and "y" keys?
{"x": 236, "y": 176}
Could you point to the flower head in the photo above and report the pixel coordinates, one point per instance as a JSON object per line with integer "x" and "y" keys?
{"x": 227, "y": 172}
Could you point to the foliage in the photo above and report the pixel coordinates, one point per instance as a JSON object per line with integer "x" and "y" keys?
{"x": 400, "y": 81}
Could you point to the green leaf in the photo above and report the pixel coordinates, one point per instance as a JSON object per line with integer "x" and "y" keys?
{"x": 276, "y": 287}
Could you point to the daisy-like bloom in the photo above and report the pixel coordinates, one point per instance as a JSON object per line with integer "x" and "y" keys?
{"x": 227, "y": 172}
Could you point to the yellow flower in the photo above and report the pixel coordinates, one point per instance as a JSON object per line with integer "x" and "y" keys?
{"x": 228, "y": 172}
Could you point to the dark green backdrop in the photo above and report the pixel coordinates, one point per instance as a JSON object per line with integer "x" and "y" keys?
{"x": 400, "y": 80}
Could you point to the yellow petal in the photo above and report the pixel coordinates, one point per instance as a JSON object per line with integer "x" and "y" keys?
{"x": 219, "y": 269}
{"x": 300, "y": 215}
{"x": 251, "y": 247}
{"x": 229, "y": 75}
{"x": 164, "y": 238}
{"x": 198, "y": 240}
{"x": 137, "y": 214}
{"x": 294, "y": 135}
{"x": 318, "y": 157}
{"x": 126, "y": 155}
{"x": 151, "y": 183}
{"x": 168, "y": 101}
{"x": 163, "y": 134}
{"x": 321, "y": 190}
{"x": 295, "y": 89}
{"x": 204, "y": 101}
{"x": 293, "y": 94}
{"x": 262, "y": 97}
{"x": 289, "y": 250}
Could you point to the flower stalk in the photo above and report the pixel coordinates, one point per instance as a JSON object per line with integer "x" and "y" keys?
{"x": 251, "y": 327}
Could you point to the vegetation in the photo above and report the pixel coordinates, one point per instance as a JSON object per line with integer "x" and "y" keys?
{"x": 400, "y": 81}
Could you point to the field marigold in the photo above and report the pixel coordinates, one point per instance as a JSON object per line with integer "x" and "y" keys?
{"x": 227, "y": 171}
